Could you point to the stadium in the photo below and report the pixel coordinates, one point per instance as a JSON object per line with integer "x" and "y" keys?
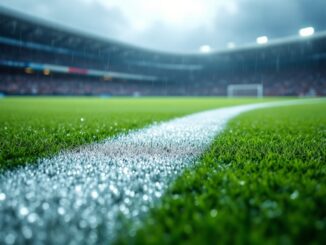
{"x": 107, "y": 142}
{"x": 45, "y": 60}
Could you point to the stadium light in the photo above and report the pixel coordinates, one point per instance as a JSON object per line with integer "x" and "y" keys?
{"x": 205, "y": 49}
{"x": 262, "y": 40}
{"x": 231, "y": 45}
{"x": 306, "y": 32}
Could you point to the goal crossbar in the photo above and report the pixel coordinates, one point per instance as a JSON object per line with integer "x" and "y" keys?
{"x": 233, "y": 88}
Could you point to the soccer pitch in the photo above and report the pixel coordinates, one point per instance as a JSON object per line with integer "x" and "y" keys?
{"x": 37, "y": 127}
{"x": 262, "y": 180}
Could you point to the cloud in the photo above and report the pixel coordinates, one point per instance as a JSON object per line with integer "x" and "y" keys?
{"x": 82, "y": 14}
{"x": 181, "y": 25}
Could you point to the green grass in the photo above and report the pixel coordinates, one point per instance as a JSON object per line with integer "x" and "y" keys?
{"x": 31, "y": 128}
{"x": 262, "y": 182}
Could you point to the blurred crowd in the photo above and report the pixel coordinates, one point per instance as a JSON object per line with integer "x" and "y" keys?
{"x": 284, "y": 83}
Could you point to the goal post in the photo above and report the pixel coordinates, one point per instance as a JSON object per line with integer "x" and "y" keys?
{"x": 238, "y": 90}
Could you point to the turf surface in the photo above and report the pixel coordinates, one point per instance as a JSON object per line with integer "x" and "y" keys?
{"x": 262, "y": 182}
{"x": 31, "y": 128}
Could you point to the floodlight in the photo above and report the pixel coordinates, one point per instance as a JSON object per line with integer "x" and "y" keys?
{"x": 205, "y": 49}
{"x": 262, "y": 40}
{"x": 307, "y": 31}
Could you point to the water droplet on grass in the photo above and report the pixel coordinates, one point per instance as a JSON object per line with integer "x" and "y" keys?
{"x": 45, "y": 206}
{"x": 145, "y": 198}
{"x": 241, "y": 182}
{"x": 294, "y": 195}
{"x": 10, "y": 238}
{"x": 23, "y": 211}
{"x": 213, "y": 213}
{"x": 61, "y": 211}
{"x": 78, "y": 189}
{"x": 94, "y": 194}
{"x": 32, "y": 217}
{"x": 27, "y": 232}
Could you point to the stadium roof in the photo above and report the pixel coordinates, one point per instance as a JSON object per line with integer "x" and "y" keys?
{"x": 18, "y": 26}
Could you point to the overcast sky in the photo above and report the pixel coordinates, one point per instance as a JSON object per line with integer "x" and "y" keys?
{"x": 181, "y": 25}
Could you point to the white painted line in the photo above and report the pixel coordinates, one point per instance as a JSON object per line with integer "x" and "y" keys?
{"x": 78, "y": 196}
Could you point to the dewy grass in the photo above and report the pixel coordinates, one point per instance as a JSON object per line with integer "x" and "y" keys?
{"x": 262, "y": 182}
{"x": 31, "y": 128}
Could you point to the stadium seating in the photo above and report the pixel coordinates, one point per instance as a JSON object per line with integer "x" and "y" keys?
{"x": 40, "y": 59}
{"x": 286, "y": 83}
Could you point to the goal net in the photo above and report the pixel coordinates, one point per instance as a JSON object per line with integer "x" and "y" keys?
{"x": 238, "y": 90}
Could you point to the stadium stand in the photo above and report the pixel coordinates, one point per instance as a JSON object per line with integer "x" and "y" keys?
{"x": 41, "y": 58}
